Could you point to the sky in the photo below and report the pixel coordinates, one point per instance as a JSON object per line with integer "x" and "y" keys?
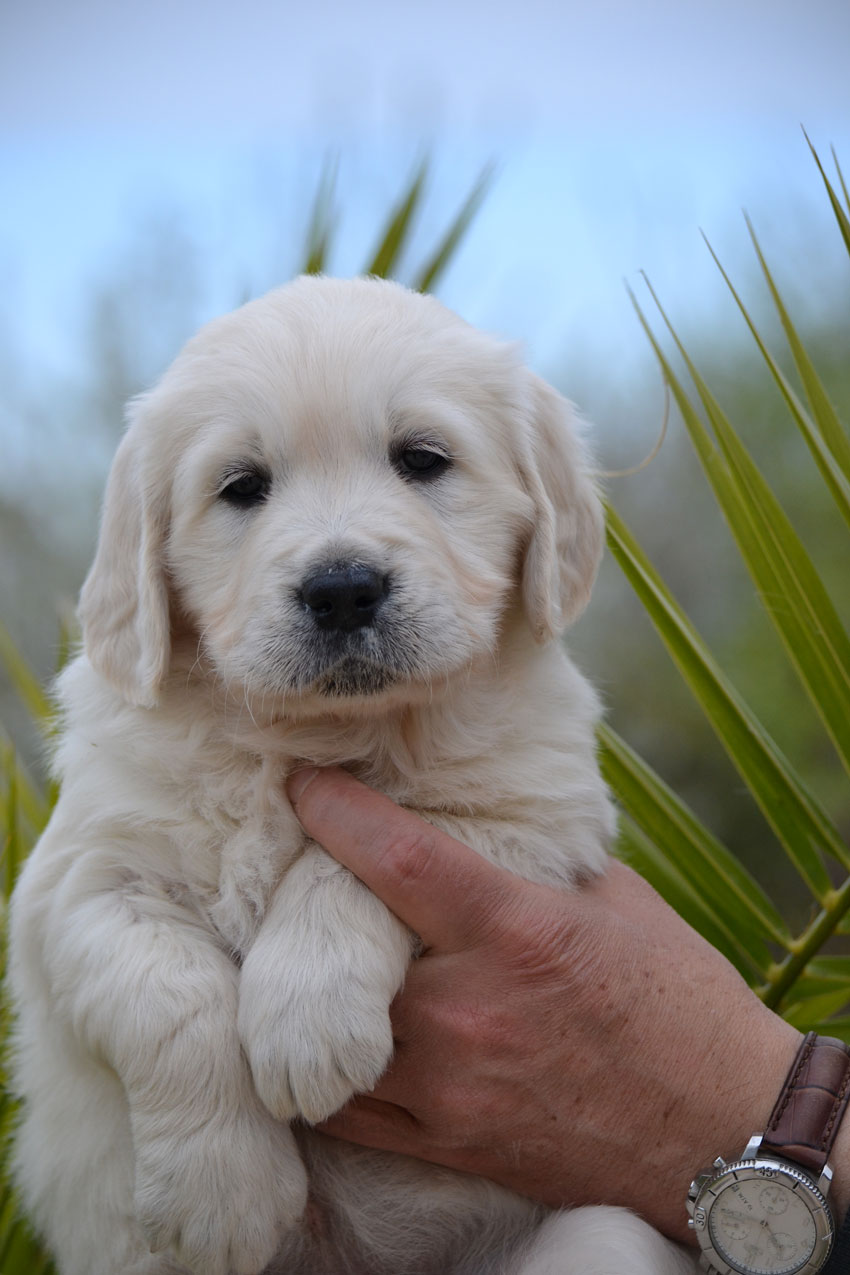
{"x": 618, "y": 130}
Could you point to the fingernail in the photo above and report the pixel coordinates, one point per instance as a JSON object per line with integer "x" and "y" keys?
{"x": 299, "y": 780}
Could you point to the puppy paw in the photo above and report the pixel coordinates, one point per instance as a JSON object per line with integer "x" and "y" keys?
{"x": 221, "y": 1195}
{"x": 317, "y": 1050}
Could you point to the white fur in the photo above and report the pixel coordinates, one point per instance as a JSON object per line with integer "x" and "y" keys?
{"x": 189, "y": 974}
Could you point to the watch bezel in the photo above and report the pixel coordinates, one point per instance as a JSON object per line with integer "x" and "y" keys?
{"x": 707, "y": 1189}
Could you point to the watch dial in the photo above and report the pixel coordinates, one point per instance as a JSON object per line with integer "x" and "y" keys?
{"x": 762, "y": 1228}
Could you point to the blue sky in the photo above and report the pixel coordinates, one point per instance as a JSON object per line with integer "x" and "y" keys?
{"x": 619, "y": 128}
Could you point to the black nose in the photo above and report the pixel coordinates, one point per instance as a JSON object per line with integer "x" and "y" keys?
{"x": 344, "y": 597}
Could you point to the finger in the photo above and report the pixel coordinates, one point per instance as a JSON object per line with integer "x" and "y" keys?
{"x": 442, "y": 889}
{"x": 372, "y": 1123}
{"x": 406, "y": 1089}
{"x": 406, "y": 1081}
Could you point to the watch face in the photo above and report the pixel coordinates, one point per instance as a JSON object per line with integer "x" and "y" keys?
{"x": 762, "y": 1227}
{"x": 761, "y": 1218}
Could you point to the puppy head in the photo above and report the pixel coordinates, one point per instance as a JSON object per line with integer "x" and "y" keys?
{"x": 341, "y": 487}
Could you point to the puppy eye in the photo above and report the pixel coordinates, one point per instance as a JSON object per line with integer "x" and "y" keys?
{"x": 421, "y": 463}
{"x": 251, "y": 487}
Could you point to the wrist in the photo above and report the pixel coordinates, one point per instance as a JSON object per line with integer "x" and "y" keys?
{"x": 739, "y": 1085}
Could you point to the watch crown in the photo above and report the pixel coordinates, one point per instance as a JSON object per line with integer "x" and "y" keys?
{"x": 720, "y": 1163}
{"x": 690, "y": 1223}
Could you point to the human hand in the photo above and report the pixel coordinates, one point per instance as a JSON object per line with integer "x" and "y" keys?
{"x": 583, "y": 1047}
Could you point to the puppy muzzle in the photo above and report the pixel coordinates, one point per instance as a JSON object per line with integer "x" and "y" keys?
{"x": 344, "y": 596}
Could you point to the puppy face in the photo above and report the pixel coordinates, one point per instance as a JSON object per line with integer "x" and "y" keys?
{"x": 342, "y": 486}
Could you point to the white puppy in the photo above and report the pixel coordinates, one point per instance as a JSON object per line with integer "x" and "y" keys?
{"x": 344, "y": 528}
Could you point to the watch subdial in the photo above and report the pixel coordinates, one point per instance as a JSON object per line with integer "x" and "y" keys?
{"x": 736, "y": 1227}
{"x": 774, "y": 1199}
{"x": 785, "y": 1244}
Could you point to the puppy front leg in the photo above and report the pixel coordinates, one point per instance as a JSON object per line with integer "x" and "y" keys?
{"x": 316, "y": 988}
{"x": 145, "y": 990}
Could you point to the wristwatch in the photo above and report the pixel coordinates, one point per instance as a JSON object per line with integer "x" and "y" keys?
{"x": 767, "y": 1213}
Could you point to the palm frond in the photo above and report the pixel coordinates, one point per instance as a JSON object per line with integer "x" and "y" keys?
{"x": 398, "y": 227}
{"x": 695, "y": 872}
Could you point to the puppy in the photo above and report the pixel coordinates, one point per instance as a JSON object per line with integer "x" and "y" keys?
{"x": 344, "y": 528}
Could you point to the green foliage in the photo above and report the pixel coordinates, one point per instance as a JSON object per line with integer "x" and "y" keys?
{"x": 24, "y": 810}
{"x": 396, "y": 234}
{"x": 661, "y": 837}
{"x": 801, "y": 974}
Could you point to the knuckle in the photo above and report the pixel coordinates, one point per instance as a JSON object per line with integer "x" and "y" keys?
{"x": 532, "y": 929}
{"x": 406, "y": 858}
{"x": 480, "y": 1028}
{"x": 543, "y": 947}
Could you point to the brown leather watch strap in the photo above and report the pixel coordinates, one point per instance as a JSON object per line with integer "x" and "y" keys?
{"x": 808, "y": 1111}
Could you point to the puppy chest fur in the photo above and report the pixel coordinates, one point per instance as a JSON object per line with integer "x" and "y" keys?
{"x": 345, "y": 528}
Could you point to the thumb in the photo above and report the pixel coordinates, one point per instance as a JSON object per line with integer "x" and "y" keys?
{"x": 445, "y": 892}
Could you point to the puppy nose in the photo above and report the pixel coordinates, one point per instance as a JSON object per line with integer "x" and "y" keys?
{"x": 345, "y": 597}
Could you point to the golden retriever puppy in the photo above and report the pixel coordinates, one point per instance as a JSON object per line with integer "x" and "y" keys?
{"x": 344, "y": 528}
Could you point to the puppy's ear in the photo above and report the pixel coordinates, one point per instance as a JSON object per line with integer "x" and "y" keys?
{"x": 124, "y": 602}
{"x": 566, "y": 542}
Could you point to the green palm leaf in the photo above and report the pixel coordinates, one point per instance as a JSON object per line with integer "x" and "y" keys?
{"x": 801, "y": 825}
{"x": 686, "y": 863}
{"x": 841, "y": 180}
{"x": 24, "y": 681}
{"x": 23, "y": 812}
{"x": 823, "y": 975}
{"x": 446, "y": 249}
{"x": 788, "y": 583}
{"x": 829, "y": 432}
{"x": 398, "y": 227}
{"x": 320, "y": 227}
{"x": 737, "y": 901}
{"x": 840, "y": 215}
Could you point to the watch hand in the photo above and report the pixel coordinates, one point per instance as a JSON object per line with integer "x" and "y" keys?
{"x": 773, "y": 1238}
{"x": 727, "y": 1212}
